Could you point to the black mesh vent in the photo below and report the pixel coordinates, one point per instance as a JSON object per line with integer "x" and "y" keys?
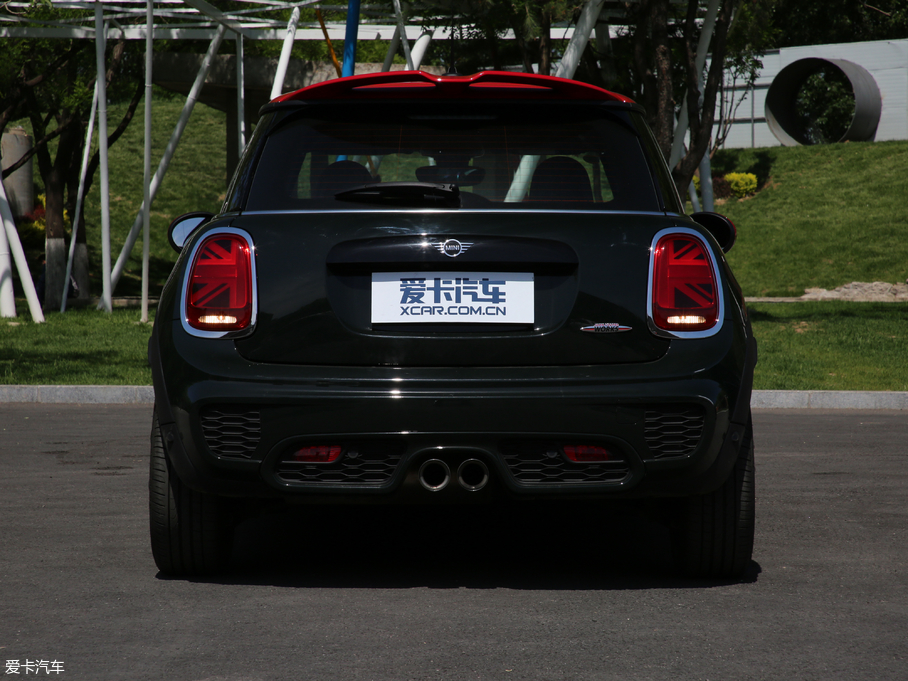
{"x": 539, "y": 463}
{"x": 673, "y": 432}
{"x": 232, "y": 432}
{"x": 361, "y": 464}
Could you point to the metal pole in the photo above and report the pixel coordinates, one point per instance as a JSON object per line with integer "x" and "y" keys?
{"x": 419, "y": 49}
{"x": 7, "y": 294}
{"x": 25, "y": 277}
{"x": 169, "y": 151}
{"x": 753, "y": 121}
{"x": 402, "y": 29}
{"x": 350, "y": 38}
{"x": 285, "y": 53}
{"x": 146, "y": 176}
{"x": 100, "y": 47}
{"x": 706, "y": 183}
{"x": 522, "y": 178}
{"x": 392, "y": 49}
{"x": 694, "y": 201}
{"x": 585, "y": 25}
{"x": 240, "y": 95}
{"x": 76, "y": 216}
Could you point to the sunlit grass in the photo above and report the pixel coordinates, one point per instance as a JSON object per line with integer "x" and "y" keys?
{"x": 80, "y": 347}
{"x": 826, "y": 216}
{"x": 831, "y": 346}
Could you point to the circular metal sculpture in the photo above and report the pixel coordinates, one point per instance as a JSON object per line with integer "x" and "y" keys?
{"x": 781, "y": 115}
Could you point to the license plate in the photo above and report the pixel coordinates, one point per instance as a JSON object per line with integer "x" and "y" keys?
{"x": 452, "y": 297}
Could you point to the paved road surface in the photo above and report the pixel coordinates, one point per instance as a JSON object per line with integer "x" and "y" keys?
{"x": 557, "y": 595}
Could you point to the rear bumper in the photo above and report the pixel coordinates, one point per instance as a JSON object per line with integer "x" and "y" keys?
{"x": 228, "y": 424}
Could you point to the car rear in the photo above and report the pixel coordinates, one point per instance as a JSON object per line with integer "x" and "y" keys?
{"x": 452, "y": 290}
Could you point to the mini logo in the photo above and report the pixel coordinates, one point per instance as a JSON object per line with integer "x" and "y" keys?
{"x": 452, "y": 247}
{"x": 606, "y": 327}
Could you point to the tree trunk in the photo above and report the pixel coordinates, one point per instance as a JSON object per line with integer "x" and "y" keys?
{"x": 663, "y": 118}
{"x": 545, "y": 46}
{"x": 522, "y": 46}
{"x": 54, "y": 196}
{"x": 607, "y": 69}
{"x": 652, "y": 63}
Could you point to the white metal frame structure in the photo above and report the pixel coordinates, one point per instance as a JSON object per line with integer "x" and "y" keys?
{"x": 151, "y": 20}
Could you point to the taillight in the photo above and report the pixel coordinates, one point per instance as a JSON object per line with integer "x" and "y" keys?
{"x": 685, "y": 294}
{"x": 586, "y": 453}
{"x": 317, "y": 454}
{"x": 219, "y": 287}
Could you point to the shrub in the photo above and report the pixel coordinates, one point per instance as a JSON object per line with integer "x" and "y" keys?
{"x": 742, "y": 184}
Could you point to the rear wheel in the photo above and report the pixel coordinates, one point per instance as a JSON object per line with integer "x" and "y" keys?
{"x": 714, "y": 533}
{"x": 190, "y": 533}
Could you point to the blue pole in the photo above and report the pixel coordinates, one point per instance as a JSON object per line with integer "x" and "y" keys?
{"x": 350, "y": 38}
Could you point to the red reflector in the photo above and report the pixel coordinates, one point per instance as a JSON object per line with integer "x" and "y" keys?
{"x": 583, "y": 453}
{"x": 219, "y": 294}
{"x": 317, "y": 454}
{"x": 684, "y": 285}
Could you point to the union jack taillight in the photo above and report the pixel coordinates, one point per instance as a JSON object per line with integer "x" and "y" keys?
{"x": 219, "y": 294}
{"x": 685, "y": 295}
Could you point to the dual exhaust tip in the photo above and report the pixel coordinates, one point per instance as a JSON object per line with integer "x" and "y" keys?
{"x": 435, "y": 475}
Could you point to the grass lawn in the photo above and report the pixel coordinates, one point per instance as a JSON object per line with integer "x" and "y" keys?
{"x": 826, "y": 216}
{"x": 803, "y": 346}
{"x": 830, "y": 345}
{"x": 79, "y": 347}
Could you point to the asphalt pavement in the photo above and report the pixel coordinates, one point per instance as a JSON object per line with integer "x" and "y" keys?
{"x": 552, "y": 593}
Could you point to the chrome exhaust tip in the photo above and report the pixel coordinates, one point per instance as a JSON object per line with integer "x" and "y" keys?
{"x": 473, "y": 475}
{"x": 434, "y": 475}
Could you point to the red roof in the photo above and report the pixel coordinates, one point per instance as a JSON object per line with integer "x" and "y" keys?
{"x": 483, "y": 85}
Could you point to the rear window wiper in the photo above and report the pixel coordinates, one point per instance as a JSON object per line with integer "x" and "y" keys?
{"x": 404, "y": 194}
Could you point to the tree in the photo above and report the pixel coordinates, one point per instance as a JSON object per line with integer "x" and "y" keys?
{"x": 479, "y": 25}
{"x": 50, "y": 82}
{"x": 664, "y": 49}
{"x": 820, "y": 22}
{"x": 751, "y": 34}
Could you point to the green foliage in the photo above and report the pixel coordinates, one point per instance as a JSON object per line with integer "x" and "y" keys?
{"x": 819, "y": 22}
{"x": 824, "y": 106}
{"x": 825, "y": 216}
{"x": 478, "y": 25}
{"x": 742, "y": 184}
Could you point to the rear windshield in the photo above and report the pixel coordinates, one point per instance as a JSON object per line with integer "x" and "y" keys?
{"x": 533, "y": 157}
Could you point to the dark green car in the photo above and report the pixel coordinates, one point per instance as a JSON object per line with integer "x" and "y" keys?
{"x": 452, "y": 290}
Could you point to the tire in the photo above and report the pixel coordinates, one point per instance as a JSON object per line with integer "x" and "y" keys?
{"x": 190, "y": 533}
{"x": 714, "y": 533}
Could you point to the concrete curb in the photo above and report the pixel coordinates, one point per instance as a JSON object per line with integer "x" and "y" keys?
{"x": 828, "y": 399}
{"x": 761, "y": 399}
{"x": 78, "y": 394}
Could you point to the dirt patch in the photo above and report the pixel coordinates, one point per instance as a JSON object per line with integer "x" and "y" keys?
{"x": 877, "y": 291}
{"x": 856, "y": 291}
